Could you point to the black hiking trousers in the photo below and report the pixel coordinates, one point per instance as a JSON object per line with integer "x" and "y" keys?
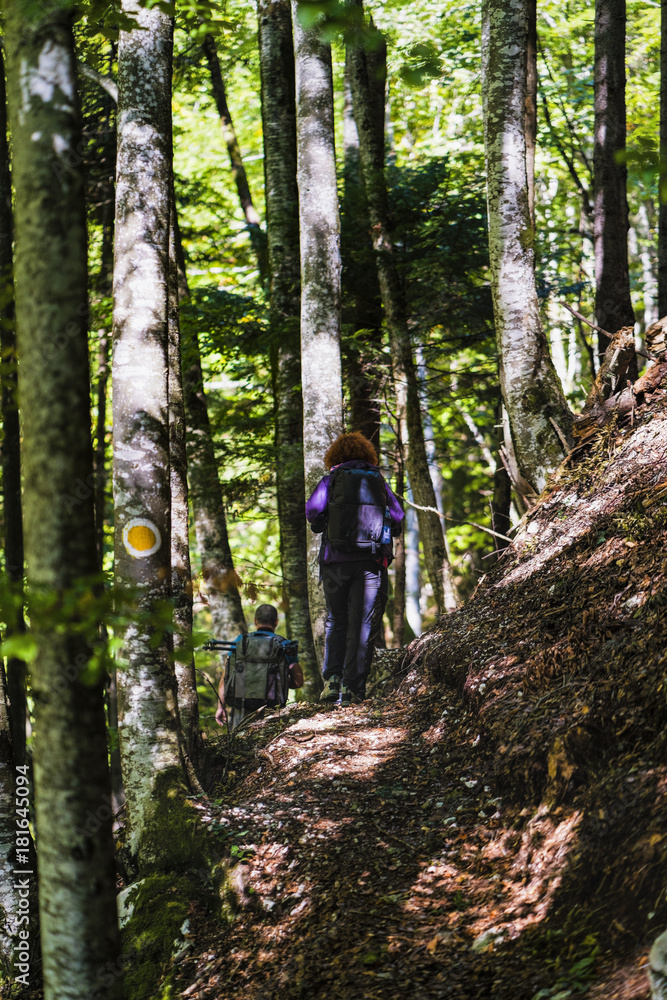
{"x": 356, "y": 595}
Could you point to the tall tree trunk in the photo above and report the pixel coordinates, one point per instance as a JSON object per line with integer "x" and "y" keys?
{"x": 319, "y": 227}
{"x": 221, "y": 582}
{"x": 662, "y": 200}
{"x": 362, "y": 305}
{"x": 181, "y": 572}
{"x": 282, "y": 225}
{"x": 257, "y": 237}
{"x": 76, "y": 858}
{"x": 451, "y": 591}
{"x": 149, "y": 725}
{"x": 613, "y": 308}
{"x": 371, "y": 153}
{"x": 531, "y": 107}
{"x": 412, "y": 575}
{"x": 398, "y": 604}
{"x": 100, "y": 454}
{"x": 531, "y": 391}
{"x": 11, "y": 452}
{"x": 104, "y": 285}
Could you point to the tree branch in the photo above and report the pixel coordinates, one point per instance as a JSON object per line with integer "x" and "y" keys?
{"x": 605, "y": 333}
{"x": 105, "y": 82}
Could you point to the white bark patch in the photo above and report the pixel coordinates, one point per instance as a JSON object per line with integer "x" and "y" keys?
{"x": 46, "y": 79}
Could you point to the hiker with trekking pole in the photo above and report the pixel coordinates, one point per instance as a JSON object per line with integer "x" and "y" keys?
{"x": 358, "y": 515}
{"x": 261, "y": 668}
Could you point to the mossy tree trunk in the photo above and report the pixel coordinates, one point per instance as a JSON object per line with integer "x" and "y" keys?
{"x": 319, "y": 227}
{"x": 530, "y": 387}
{"x": 181, "y": 572}
{"x": 282, "y": 225}
{"x": 362, "y": 305}
{"x": 613, "y": 307}
{"x": 408, "y": 401}
{"x": 76, "y": 857}
{"x": 148, "y": 712}
{"x": 11, "y": 451}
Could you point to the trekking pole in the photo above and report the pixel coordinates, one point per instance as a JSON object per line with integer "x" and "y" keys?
{"x": 218, "y": 646}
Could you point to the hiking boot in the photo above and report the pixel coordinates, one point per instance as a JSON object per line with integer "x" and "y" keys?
{"x": 331, "y": 690}
{"x": 348, "y": 698}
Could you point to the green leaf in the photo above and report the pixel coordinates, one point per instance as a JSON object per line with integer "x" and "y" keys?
{"x": 20, "y": 647}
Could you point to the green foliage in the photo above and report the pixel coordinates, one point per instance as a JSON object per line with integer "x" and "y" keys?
{"x": 575, "y": 977}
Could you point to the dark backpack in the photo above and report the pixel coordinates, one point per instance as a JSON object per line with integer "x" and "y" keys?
{"x": 257, "y": 673}
{"x": 358, "y": 515}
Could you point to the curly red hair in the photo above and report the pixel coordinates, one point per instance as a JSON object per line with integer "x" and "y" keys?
{"x": 352, "y": 447}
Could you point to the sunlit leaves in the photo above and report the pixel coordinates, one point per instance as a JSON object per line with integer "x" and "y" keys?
{"x": 423, "y": 62}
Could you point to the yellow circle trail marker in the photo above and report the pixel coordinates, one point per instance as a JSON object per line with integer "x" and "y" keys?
{"x": 141, "y": 537}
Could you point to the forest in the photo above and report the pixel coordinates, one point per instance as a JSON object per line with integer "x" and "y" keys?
{"x": 230, "y": 233}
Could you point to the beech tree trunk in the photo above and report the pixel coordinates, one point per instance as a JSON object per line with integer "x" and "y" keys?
{"x": 282, "y": 225}
{"x": 412, "y": 575}
{"x": 319, "y": 227}
{"x": 76, "y": 858}
{"x": 531, "y": 107}
{"x": 371, "y": 153}
{"x": 257, "y": 237}
{"x": 613, "y": 308}
{"x": 531, "y": 391}
{"x": 104, "y": 285}
{"x": 398, "y": 597}
{"x": 362, "y": 305}
{"x": 148, "y": 713}
{"x": 662, "y": 211}
{"x": 181, "y": 572}
{"x": 11, "y": 452}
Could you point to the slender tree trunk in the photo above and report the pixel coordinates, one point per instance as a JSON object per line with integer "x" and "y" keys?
{"x": 319, "y": 226}
{"x": 149, "y": 725}
{"x": 530, "y": 387}
{"x": 181, "y": 573}
{"x": 531, "y": 107}
{"x": 100, "y": 454}
{"x": 11, "y": 453}
{"x": 450, "y": 588}
{"x": 362, "y": 305}
{"x": 613, "y": 308}
{"x": 257, "y": 237}
{"x": 398, "y": 609}
{"x": 282, "y": 218}
{"x": 371, "y": 153}
{"x": 662, "y": 200}
{"x": 412, "y": 575}
{"x": 105, "y": 287}
{"x": 221, "y": 582}
{"x": 76, "y": 858}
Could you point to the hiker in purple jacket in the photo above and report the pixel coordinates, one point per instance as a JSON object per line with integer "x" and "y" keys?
{"x": 358, "y": 516}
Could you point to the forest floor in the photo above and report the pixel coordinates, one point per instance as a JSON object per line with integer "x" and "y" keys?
{"x": 495, "y": 824}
